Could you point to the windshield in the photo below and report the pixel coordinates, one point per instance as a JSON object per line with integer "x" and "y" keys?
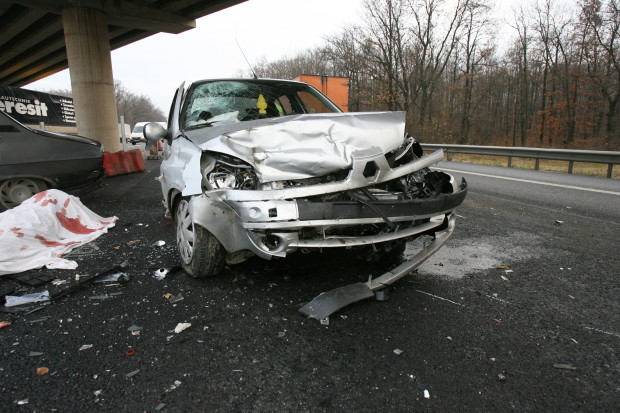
{"x": 138, "y": 129}
{"x": 237, "y": 101}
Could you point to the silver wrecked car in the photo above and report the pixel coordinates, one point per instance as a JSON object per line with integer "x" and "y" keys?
{"x": 264, "y": 168}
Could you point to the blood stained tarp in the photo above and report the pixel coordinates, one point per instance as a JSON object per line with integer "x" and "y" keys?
{"x": 44, "y": 227}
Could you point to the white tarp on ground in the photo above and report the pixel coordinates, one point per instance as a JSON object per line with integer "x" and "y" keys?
{"x": 39, "y": 231}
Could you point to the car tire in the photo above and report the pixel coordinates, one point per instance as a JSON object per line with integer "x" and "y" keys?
{"x": 201, "y": 253}
{"x": 16, "y": 190}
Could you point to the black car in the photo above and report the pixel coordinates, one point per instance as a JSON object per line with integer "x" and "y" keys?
{"x": 34, "y": 160}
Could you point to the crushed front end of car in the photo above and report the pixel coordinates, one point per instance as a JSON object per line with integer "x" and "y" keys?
{"x": 274, "y": 186}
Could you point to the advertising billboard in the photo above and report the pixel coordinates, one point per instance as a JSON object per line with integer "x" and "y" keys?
{"x": 31, "y": 108}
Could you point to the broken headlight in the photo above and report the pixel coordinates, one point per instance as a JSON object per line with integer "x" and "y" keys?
{"x": 227, "y": 172}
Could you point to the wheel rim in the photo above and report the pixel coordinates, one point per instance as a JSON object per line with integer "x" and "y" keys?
{"x": 185, "y": 232}
{"x": 14, "y": 191}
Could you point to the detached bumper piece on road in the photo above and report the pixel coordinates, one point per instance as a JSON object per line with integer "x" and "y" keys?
{"x": 332, "y": 301}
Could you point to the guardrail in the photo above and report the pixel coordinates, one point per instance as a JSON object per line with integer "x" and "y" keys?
{"x": 570, "y": 155}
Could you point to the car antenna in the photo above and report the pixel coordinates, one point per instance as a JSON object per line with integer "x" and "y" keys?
{"x": 246, "y": 59}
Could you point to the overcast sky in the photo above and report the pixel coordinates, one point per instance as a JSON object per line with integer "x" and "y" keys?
{"x": 271, "y": 29}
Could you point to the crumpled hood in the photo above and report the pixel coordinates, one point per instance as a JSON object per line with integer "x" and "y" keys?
{"x": 303, "y": 146}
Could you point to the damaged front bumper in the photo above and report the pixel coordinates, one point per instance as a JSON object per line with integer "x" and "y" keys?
{"x": 331, "y": 301}
{"x": 276, "y": 222}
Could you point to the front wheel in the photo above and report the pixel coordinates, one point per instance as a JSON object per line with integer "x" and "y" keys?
{"x": 16, "y": 190}
{"x": 201, "y": 253}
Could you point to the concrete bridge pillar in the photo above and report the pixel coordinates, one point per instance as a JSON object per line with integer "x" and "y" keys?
{"x": 92, "y": 82}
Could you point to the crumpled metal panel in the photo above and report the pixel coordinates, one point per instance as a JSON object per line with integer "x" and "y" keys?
{"x": 303, "y": 146}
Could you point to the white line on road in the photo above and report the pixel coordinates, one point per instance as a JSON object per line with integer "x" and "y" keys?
{"x": 600, "y": 191}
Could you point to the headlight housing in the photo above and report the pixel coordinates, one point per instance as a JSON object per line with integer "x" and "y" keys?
{"x": 227, "y": 172}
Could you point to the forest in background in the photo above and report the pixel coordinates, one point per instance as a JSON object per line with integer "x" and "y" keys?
{"x": 134, "y": 107}
{"x": 554, "y": 83}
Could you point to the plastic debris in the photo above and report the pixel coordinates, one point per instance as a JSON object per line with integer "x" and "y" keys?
{"x": 130, "y": 352}
{"x": 22, "y": 402}
{"x": 160, "y": 406}
{"x": 176, "y": 298}
{"x": 42, "y": 371}
{"x": 133, "y": 373}
{"x": 119, "y": 276}
{"x": 427, "y": 395}
{"x": 133, "y": 242}
{"x": 167, "y": 296}
{"x": 4, "y": 324}
{"x": 26, "y": 299}
{"x": 86, "y": 347}
{"x": 134, "y": 328}
{"x": 565, "y": 366}
{"x": 502, "y": 377}
{"x": 181, "y": 327}
{"x": 161, "y": 273}
{"x": 176, "y": 384}
{"x": 82, "y": 280}
{"x": 35, "y": 354}
{"x": 325, "y": 321}
{"x": 160, "y": 243}
{"x": 558, "y": 222}
{"x": 504, "y": 278}
{"x": 398, "y": 351}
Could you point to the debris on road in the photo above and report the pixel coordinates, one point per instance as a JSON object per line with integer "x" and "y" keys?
{"x": 160, "y": 406}
{"x": 42, "y": 371}
{"x": 502, "y": 377}
{"x": 160, "y": 243}
{"x": 181, "y": 327}
{"x": 398, "y": 351}
{"x": 427, "y": 395}
{"x": 558, "y": 222}
{"x": 85, "y": 347}
{"x": 83, "y": 280}
{"x": 4, "y": 324}
{"x": 176, "y": 384}
{"x": 35, "y": 354}
{"x": 565, "y": 366}
{"x": 133, "y": 373}
{"x": 12, "y": 300}
{"x": 162, "y": 273}
{"x": 115, "y": 277}
{"x": 176, "y": 298}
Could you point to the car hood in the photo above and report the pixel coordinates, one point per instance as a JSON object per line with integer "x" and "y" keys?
{"x": 302, "y": 146}
{"x": 73, "y": 138}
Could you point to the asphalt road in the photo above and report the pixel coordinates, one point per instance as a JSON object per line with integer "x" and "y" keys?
{"x": 541, "y": 335}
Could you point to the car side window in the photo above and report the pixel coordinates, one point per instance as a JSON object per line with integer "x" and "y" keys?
{"x": 312, "y": 104}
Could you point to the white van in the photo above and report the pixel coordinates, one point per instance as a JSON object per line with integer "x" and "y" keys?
{"x": 136, "y": 133}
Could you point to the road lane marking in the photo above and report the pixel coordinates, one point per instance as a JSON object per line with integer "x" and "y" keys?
{"x": 600, "y": 191}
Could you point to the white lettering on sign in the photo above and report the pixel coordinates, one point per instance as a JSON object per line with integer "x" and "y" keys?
{"x": 36, "y": 108}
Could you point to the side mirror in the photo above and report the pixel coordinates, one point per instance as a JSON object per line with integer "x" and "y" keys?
{"x": 154, "y": 132}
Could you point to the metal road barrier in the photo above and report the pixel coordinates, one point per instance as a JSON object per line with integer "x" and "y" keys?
{"x": 570, "y": 155}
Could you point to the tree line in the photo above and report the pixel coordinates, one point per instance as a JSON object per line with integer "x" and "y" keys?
{"x": 135, "y": 108}
{"x": 554, "y": 83}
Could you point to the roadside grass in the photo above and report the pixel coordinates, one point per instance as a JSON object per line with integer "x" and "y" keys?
{"x": 579, "y": 168}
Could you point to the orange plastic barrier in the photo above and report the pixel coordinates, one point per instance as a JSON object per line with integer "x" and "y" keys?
{"x": 120, "y": 163}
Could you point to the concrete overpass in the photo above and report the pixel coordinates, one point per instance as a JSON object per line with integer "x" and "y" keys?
{"x": 41, "y": 37}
